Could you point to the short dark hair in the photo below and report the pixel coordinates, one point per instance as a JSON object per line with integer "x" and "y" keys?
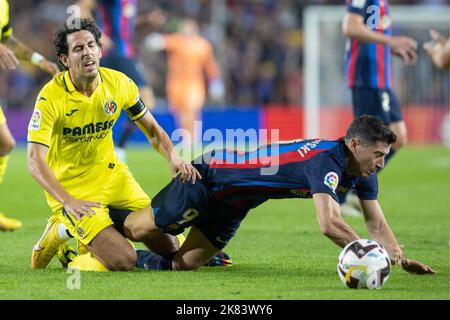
{"x": 60, "y": 45}
{"x": 370, "y": 130}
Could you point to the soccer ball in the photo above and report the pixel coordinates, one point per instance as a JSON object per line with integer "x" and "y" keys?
{"x": 364, "y": 264}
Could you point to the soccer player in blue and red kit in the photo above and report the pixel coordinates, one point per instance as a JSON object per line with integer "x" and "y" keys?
{"x": 233, "y": 183}
{"x": 368, "y": 26}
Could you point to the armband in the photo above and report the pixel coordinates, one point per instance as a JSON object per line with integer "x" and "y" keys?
{"x": 137, "y": 111}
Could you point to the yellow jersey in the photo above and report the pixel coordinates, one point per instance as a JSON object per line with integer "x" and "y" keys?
{"x": 5, "y": 28}
{"x": 78, "y": 129}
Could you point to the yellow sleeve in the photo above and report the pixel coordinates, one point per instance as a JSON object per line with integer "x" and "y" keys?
{"x": 133, "y": 105}
{"x": 42, "y": 121}
{"x": 6, "y": 29}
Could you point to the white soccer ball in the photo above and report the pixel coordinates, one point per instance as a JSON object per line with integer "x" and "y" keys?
{"x": 364, "y": 264}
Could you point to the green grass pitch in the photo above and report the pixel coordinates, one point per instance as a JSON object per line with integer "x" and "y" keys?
{"x": 278, "y": 253}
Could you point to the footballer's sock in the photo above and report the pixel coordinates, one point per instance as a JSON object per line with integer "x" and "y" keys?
{"x": 3, "y": 165}
{"x": 118, "y": 217}
{"x": 149, "y": 260}
{"x": 63, "y": 232}
{"x": 87, "y": 262}
{"x": 181, "y": 239}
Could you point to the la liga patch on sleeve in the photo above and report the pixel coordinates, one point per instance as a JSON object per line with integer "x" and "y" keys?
{"x": 35, "y": 121}
{"x": 331, "y": 180}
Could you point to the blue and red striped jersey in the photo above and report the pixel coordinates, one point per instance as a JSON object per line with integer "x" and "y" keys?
{"x": 117, "y": 19}
{"x": 368, "y": 64}
{"x": 295, "y": 169}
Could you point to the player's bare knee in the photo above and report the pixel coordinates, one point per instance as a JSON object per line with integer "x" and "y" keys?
{"x": 136, "y": 232}
{"x": 138, "y": 226}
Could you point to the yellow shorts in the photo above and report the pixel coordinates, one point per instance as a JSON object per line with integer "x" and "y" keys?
{"x": 2, "y": 116}
{"x": 115, "y": 189}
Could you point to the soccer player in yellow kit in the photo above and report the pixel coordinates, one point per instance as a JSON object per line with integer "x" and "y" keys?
{"x": 71, "y": 152}
{"x": 11, "y": 50}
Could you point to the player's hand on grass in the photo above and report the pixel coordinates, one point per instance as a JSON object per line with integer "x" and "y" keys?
{"x": 409, "y": 265}
{"x": 49, "y": 67}
{"x": 80, "y": 208}
{"x": 8, "y": 60}
{"x": 415, "y": 267}
{"x": 187, "y": 171}
{"x": 405, "y": 48}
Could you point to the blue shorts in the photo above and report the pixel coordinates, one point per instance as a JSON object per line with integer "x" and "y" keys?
{"x": 180, "y": 205}
{"x": 381, "y": 103}
{"x": 130, "y": 67}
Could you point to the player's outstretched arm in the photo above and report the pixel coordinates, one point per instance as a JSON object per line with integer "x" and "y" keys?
{"x": 161, "y": 142}
{"x": 42, "y": 173}
{"x": 380, "y": 231}
{"x": 330, "y": 220}
{"x": 23, "y": 52}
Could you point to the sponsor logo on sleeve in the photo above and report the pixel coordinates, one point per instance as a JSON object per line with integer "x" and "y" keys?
{"x": 35, "y": 122}
{"x": 331, "y": 180}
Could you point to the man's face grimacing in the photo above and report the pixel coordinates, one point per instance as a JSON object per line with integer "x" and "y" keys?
{"x": 84, "y": 55}
{"x": 369, "y": 158}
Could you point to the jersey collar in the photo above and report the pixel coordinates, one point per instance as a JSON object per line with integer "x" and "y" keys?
{"x": 70, "y": 87}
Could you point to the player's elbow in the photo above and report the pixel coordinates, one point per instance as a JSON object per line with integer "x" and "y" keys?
{"x": 349, "y": 30}
{"x": 7, "y": 146}
{"x": 351, "y": 25}
{"x": 346, "y": 28}
{"x": 375, "y": 226}
{"x": 327, "y": 228}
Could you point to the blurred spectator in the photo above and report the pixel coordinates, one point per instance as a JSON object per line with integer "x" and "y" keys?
{"x": 261, "y": 52}
{"x": 192, "y": 68}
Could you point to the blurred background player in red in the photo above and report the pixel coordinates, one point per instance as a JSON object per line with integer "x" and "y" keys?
{"x": 11, "y": 51}
{"x": 192, "y": 69}
{"x": 368, "y": 70}
{"x": 118, "y": 20}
